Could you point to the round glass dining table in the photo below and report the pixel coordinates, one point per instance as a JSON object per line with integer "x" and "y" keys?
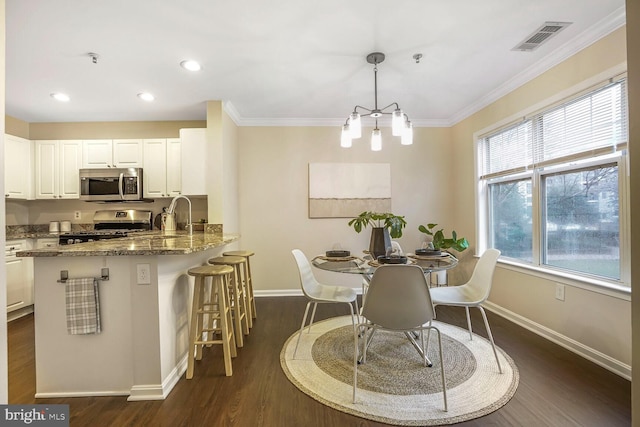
{"x": 366, "y": 268}
{"x": 356, "y": 265}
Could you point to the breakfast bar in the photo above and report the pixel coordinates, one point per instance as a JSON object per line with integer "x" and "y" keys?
{"x": 141, "y": 351}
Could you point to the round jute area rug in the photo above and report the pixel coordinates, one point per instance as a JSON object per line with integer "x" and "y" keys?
{"x": 394, "y": 386}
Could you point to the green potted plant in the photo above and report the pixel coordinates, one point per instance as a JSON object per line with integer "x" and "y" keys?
{"x": 384, "y": 226}
{"x": 440, "y": 242}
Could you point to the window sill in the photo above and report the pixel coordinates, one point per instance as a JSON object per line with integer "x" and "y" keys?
{"x": 612, "y": 289}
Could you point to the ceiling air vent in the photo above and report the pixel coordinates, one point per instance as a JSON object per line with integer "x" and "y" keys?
{"x": 541, "y": 35}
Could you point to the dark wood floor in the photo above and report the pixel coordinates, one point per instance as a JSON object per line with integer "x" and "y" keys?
{"x": 556, "y": 387}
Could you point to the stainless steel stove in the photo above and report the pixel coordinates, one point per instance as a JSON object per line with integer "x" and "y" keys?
{"x": 111, "y": 224}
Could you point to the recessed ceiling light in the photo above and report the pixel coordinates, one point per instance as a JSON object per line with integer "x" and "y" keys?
{"x": 62, "y": 97}
{"x": 146, "y": 96}
{"x": 190, "y": 65}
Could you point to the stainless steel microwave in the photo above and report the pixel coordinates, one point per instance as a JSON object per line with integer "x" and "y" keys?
{"x": 111, "y": 185}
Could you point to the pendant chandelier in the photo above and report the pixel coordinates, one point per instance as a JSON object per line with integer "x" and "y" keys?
{"x": 400, "y": 124}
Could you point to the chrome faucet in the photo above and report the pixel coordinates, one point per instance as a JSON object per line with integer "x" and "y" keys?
{"x": 172, "y": 209}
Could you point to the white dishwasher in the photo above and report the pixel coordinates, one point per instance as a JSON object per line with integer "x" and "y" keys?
{"x": 19, "y": 276}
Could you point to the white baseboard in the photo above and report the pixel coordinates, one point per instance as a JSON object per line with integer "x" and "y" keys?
{"x": 21, "y": 312}
{"x": 159, "y": 391}
{"x": 287, "y": 292}
{"x": 595, "y": 356}
{"x": 146, "y": 392}
{"x": 279, "y": 293}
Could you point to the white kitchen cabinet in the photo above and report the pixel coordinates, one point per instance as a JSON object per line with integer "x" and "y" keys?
{"x": 174, "y": 166}
{"x": 17, "y": 167}
{"x": 116, "y": 153}
{"x": 19, "y": 275}
{"x": 47, "y": 242}
{"x": 57, "y": 165}
{"x": 128, "y": 153}
{"x": 162, "y": 167}
{"x": 97, "y": 153}
{"x": 193, "y": 144}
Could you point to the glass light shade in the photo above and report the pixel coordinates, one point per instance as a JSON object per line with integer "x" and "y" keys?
{"x": 355, "y": 125}
{"x": 407, "y": 134}
{"x": 376, "y": 140}
{"x": 345, "y": 137}
{"x": 397, "y": 122}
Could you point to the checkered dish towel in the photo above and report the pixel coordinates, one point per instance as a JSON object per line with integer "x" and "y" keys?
{"x": 83, "y": 306}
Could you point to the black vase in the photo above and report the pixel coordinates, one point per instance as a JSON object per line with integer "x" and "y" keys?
{"x": 380, "y": 241}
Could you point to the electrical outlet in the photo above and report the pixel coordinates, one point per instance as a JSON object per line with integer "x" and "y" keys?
{"x": 144, "y": 274}
{"x": 77, "y": 215}
{"x": 560, "y": 291}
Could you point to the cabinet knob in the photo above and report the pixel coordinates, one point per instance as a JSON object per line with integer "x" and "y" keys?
{"x": 6, "y": 195}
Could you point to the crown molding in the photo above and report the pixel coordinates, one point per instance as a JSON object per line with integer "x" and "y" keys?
{"x": 291, "y": 122}
{"x": 229, "y": 108}
{"x": 432, "y": 123}
{"x": 420, "y": 123}
{"x": 603, "y": 28}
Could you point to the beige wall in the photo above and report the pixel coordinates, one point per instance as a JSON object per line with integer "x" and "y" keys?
{"x": 98, "y": 130}
{"x": 22, "y": 212}
{"x": 600, "y": 322}
{"x": 110, "y": 130}
{"x": 230, "y": 194}
{"x": 4, "y": 393}
{"x": 633, "y": 58}
{"x": 273, "y": 190}
{"x": 16, "y": 127}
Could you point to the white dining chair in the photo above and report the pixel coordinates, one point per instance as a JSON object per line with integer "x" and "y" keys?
{"x": 398, "y": 301}
{"x": 318, "y": 293}
{"x": 473, "y": 293}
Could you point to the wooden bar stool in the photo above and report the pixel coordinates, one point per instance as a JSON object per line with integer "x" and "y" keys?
{"x": 237, "y": 295}
{"x": 251, "y": 302}
{"x": 216, "y": 305}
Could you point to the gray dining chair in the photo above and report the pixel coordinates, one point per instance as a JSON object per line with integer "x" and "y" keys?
{"x": 473, "y": 293}
{"x": 398, "y": 300}
{"x": 318, "y": 293}
{"x": 396, "y": 249}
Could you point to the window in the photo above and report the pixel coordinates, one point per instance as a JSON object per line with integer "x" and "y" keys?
{"x": 552, "y": 186}
{"x": 510, "y": 217}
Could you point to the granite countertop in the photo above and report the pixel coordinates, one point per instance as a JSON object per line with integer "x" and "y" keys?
{"x": 143, "y": 243}
{"x": 33, "y": 235}
{"x": 39, "y": 231}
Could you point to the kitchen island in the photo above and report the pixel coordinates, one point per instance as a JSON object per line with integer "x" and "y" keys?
{"x": 142, "y": 349}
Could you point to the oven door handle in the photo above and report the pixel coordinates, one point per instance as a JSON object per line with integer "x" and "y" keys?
{"x": 120, "y": 189}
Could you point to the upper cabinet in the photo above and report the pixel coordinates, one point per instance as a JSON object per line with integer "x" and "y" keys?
{"x": 162, "y": 167}
{"x": 57, "y": 165}
{"x": 17, "y": 167}
{"x": 193, "y": 148}
{"x": 116, "y": 153}
{"x": 49, "y": 169}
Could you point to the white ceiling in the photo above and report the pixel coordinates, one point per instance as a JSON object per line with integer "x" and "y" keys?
{"x": 281, "y": 62}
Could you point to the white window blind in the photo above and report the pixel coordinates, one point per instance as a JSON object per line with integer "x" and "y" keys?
{"x": 583, "y": 127}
